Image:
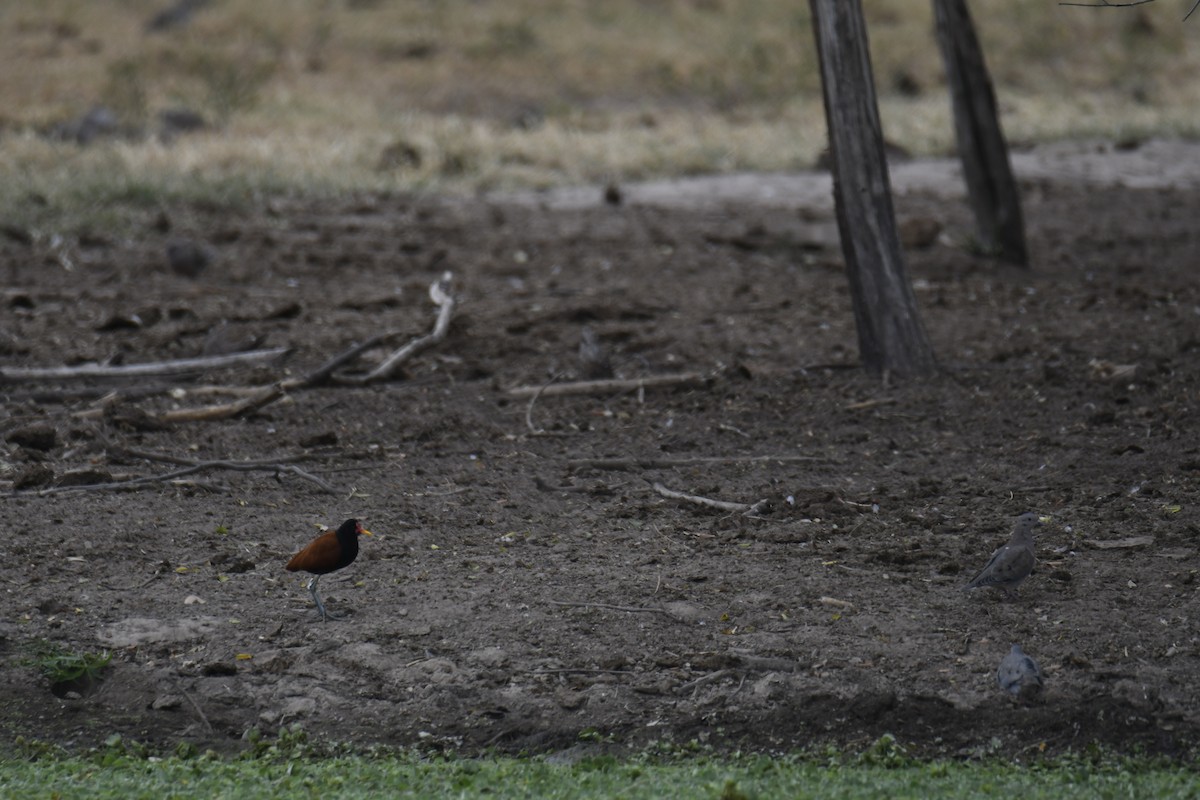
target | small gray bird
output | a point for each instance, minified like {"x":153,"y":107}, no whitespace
{"x":188,"y":257}
{"x":593,"y":359}
{"x":1011,"y":564}
{"x":1020,"y":676}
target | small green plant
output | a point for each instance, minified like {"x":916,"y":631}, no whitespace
{"x":60,"y":665}
{"x":886,"y":752}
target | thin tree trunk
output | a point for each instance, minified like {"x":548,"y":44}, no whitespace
{"x":890,"y":336}
{"x":999,"y":225}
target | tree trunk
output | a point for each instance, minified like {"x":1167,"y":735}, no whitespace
{"x":890,"y":336}
{"x":995,"y":200}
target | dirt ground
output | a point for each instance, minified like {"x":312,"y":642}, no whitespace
{"x":527,"y":589}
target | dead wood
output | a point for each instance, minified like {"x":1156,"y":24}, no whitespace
{"x":179,"y":366}
{"x":189,"y":466}
{"x":610,"y":386}
{"x":611,"y":607}
{"x":324,"y":372}
{"x":672,"y":463}
{"x":265,"y":396}
{"x":746,"y":509}
{"x":440,"y":293}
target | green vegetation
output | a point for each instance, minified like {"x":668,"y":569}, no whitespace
{"x":117,"y":773}
{"x":59,"y":665}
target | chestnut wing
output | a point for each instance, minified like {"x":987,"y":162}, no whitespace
{"x":322,"y":555}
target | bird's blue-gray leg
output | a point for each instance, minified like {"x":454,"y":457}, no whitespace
{"x":312,"y":589}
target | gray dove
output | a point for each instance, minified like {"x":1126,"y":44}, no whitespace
{"x":1019,"y":675}
{"x":592,"y":357}
{"x":1011,"y":564}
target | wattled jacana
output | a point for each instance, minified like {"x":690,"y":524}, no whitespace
{"x":330,"y":551}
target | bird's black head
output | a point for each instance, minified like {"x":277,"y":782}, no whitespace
{"x":350,"y":529}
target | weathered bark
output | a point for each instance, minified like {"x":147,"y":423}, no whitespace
{"x":999,"y":225}
{"x":890,"y":336}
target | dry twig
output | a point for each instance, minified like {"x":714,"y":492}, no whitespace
{"x":746,"y":509}
{"x":203,"y":717}
{"x":179,"y":366}
{"x":440,"y":293}
{"x":611,"y":607}
{"x":609,"y":386}
{"x":263,"y":397}
{"x":189,"y":467}
{"x":671,"y":463}
{"x":529,"y":409}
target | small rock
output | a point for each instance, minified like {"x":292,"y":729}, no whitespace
{"x":219,"y":668}
{"x":175,"y":121}
{"x":52,"y":606}
{"x":298,"y":706}
{"x":33,"y":476}
{"x":322,"y":439}
{"x":917,"y":233}
{"x":277,"y":661}
{"x":492,"y":657}
{"x":85,"y":476}
{"x":569,"y":699}
{"x":166,"y":702}
{"x":224,"y":339}
{"x":188,"y":258}
{"x":35,"y":436}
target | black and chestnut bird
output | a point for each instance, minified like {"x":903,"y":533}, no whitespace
{"x":327,"y":553}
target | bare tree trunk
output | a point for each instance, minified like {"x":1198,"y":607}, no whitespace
{"x":890,"y":336}
{"x":995,"y":200}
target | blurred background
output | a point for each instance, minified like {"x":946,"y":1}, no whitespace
{"x":115,"y":103}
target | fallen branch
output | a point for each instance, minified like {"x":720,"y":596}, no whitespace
{"x":609,"y":386}
{"x":845,"y":605}
{"x":703,"y":679}
{"x":611,"y":607}
{"x":192,"y":469}
{"x":865,"y":404}
{"x":583,"y":671}
{"x":745,"y":509}
{"x":265,"y":396}
{"x":199,"y":711}
{"x":671,"y":463}
{"x":536,"y":431}
{"x":112,"y":448}
{"x":324,"y":372}
{"x":179,"y":366}
{"x":1107,"y":4}
{"x":440,"y":294}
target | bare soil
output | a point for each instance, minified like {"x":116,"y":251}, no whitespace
{"x":526,"y":588}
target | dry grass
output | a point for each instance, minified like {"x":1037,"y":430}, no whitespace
{"x":436,"y":94}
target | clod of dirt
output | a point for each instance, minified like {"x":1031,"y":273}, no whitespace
{"x":146,"y":630}
{"x":142,"y":318}
{"x":224,"y":339}
{"x":33,"y":476}
{"x":166,"y":702}
{"x":132,"y":418}
{"x":219,"y":668}
{"x":188,"y":258}
{"x":917,"y":233}
{"x":322,"y":439}
{"x":76,"y":688}
{"x":85,"y":476}
{"x":35,"y":436}
{"x":52,"y":606}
